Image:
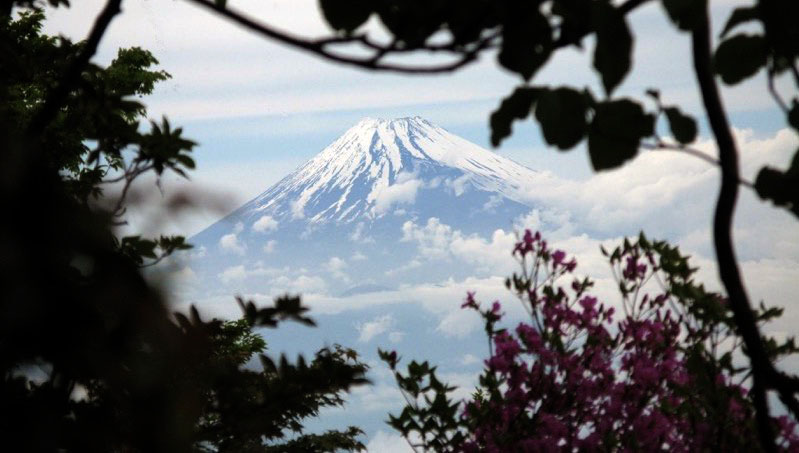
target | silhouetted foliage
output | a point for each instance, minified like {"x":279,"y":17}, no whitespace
{"x":90,"y":357}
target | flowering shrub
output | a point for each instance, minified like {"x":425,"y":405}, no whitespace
{"x":576,"y":375}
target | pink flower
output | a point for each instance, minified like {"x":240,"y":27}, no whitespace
{"x":469,"y":302}
{"x":588,"y":303}
{"x":558,"y":257}
{"x":495,"y":307}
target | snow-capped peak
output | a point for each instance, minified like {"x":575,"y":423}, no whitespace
{"x":379,"y":159}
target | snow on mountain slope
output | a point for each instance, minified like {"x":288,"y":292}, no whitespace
{"x":378,"y":161}
{"x":391,"y":192}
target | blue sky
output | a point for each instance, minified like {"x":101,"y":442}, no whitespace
{"x":258,"y":110}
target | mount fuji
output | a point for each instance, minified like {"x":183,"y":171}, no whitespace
{"x":358,"y":204}
{"x":382,"y":233}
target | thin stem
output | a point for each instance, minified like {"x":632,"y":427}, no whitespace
{"x":774,"y":94}
{"x":661,"y":146}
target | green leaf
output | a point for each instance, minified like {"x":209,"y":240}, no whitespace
{"x":683,"y":127}
{"x":562,"y":115}
{"x":346,"y":15}
{"x":685,"y":13}
{"x":526,"y":40}
{"x":614,"y":45}
{"x":740,"y":16}
{"x":616,"y":132}
{"x":515,"y":106}
{"x":740,"y":57}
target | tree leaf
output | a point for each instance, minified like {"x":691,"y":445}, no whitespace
{"x":740,"y":16}
{"x":345,"y":15}
{"x":616,"y":131}
{"x":793,"y":115}
{"x":685,"y":13}
{"x":740,"y":57}
{"x":562,"y":115}
{"x":515,"y":106}
{"x":782,"y":188}
{"x":526,"y":40}
{"x":683,"y":127}
{"x":614,"y":45}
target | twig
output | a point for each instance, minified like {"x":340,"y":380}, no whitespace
{"x":774,"y":94}
{"x":662,"y":146}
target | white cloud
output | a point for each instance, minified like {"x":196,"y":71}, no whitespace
{"x":304,"y":284}
{"x":396,"y":336}
{"x":493,"y":202}
{"x":184,"y":275}
{"x":230,"y":243}
{"x":358,"y":256}
{"x":459,"y":323}
{"x":240,"y":272}
{"x":469,"y":359}
{"x":412,"y":264}
{"x":375,"y":327}
{"x":640,"y":193}
{"x":359,"y":234}
{"x":265,"y":224}
{"x":383,"y":442}
{"x":234,"y":273}
{"x":466,"y":384}
{"x":198,"y":252}
{"x":436,"y":240}
{"x":298,"y":209}
{"x":402,"y":191}
{"x":269,"y":247}
{"x":458,"y":185}
{"x":381,"y":398}
{"x":336,"y":266}
{"x":238,"y":228}
{"x":433,"y":238}
{"x":307,"y":283}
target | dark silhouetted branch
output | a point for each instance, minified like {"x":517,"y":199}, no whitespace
{"x":318,"y":47}
{"x":762,"y":368}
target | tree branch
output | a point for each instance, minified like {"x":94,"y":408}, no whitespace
{"x":317,"y":47}
{"x":722,"y":231}
{"x":56,"y":97}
